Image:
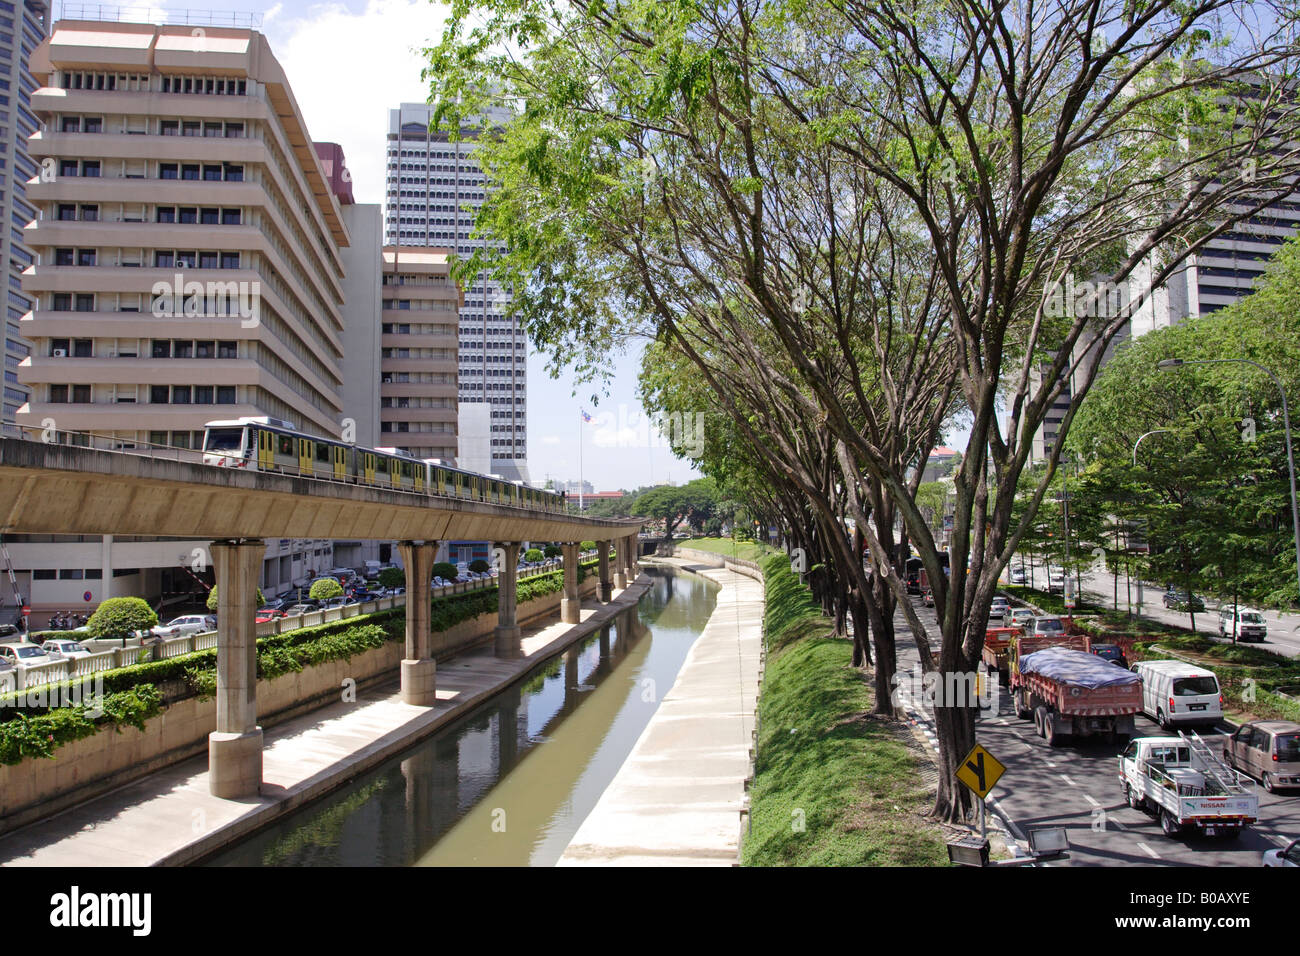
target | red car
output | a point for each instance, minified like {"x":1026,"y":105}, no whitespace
{"x":268,"y":614}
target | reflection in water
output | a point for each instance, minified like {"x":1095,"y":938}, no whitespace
{"x":509,"y":783}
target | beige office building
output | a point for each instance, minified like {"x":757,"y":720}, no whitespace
{"x":190,"y":266}
{"x":418,"y":356}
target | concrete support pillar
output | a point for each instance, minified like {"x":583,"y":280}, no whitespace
{"x":606,"y":584}
{"x":235,"y":748}
{"x":507,"y":632}
{"x":570,"y":602}
{"x":419,"y":669}
{"x":629,"y":557}
{"x":620,"y":563}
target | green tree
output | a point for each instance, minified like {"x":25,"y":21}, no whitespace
{"x":479,"y":566}
{"x":533,"y":554}
{"x":212,"y":598}
{"x":324,"y":589}
{"x":121,"y":617}
{"x":394,"y":577}
{"x":442,"y":569}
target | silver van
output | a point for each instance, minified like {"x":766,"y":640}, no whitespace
{"x":1175,"y":692}
{"x":1269,"y":751}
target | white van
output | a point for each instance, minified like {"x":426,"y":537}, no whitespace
{"x":1247,"y":624}
{"x":1174,"y":692}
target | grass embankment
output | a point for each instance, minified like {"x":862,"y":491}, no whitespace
{"x":833,"y":786}
{"x":745,"y":550}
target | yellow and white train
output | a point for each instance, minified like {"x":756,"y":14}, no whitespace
{"x":265,"y":444}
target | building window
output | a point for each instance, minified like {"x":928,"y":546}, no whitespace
{"x":225,"y":394}
{"x":93,"y":124}
{"x":230,"y":217}
{"x":90,"y":168}
{"x":169,"y":127}
{"x":230,"y":260}
{"x":234,"y":174}
{"x":81,"y":394}
{"x":85,"y":257}
{"x":190,"y":171}
{"x":158,"y":395}
{"x":168,"y":171}
{"x":90,"y":213}
{"x":85,"y":302}
{"x":59,"y":394}
{"x":63,"y":257}
{"x":212,"y":174}
{"x":166,"y":214}
{"x":227,"y":350}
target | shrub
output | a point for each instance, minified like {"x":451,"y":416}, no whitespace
{"x":121,"y":617}
{"x":587,"y":546}
{"x":445,"y":570}
{"x":41,"y":735}
{"x":552,"y":551}
{"x":395,"y":577}
{"x":533,"y":554}
{"x":324,"y":589}
{"x":212,"y":598}
{"x":479,"y":566}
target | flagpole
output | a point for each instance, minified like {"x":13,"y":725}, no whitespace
{"x":580,"y":484}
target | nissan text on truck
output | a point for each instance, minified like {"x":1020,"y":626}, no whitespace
{"x":1071,"y":694}
{"x":1180,"y":781}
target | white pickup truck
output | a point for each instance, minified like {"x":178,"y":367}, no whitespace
{"x":1182,"y":782}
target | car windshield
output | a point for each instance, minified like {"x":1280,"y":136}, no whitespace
{"x":71,"y":646}
{"x":25,"y":652}
{"x":1051,"y":624}
{"x":1250,"y":617}
{"x":1288,"y":747}
{"x":1195,"y":686}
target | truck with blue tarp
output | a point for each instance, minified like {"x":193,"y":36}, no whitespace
{"x":1070,"y":693}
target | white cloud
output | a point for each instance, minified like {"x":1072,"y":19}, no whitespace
{"x":550,"y":439}
{"x":347,"y":70}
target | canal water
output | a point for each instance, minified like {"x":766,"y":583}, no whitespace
{"x":509,"y":783}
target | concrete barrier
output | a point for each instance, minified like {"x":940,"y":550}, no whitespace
{"x":83,"y":769}
{"x":749,"y":569}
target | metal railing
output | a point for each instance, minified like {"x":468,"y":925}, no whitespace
{"x":129,"y":14}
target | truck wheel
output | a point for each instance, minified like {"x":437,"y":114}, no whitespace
{"x":1040,"y":720}
{"x":1055,"y":738}
{"x":1018,"y":699}
{"x":1169,"y":824}
{"x":1268,"y":782}
{"x":1160,"y":719}
{"x":1131,"y":798}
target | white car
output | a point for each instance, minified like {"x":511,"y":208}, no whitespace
{"x":1000,"y":609}
{"x":23,"y":654}
{"x":1288,"y":857}
{"x":185,"y":626}
{"x":61,"y":650}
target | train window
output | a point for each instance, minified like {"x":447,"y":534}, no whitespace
{"x":322,"y":451}
{"x":381,"y":465}
{"x":285,"y":445}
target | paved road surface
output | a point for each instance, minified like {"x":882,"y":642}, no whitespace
{"x":1283,"y":629}
{"x":1078,"y":787}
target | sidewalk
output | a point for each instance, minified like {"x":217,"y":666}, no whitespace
{"x":170,"y":818}
{"x":676,"y":800}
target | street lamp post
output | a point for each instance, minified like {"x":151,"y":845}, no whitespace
{"x":1154,"y":431}
{"x":1173,"y":363}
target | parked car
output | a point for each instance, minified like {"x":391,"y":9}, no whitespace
{"x":276,"y":604}
{"x":268,"y":611}
{"x":334,"y":602}
{"x":365,"y":594}
{"x":1268,"y":750}
{"x":1177,"y":599}
{"x":185,"y":626}
{"x":23,"y":654}
{"x":1110,"y":652}
{"x":307,"y":607}
{"x":927,"y":597}
{"x":1244,"y":624}
{"x":1020,"y":617}
{"x":10,"y":632}
{"x":61,"y":650}
{"x":1287,"y":857}
{"x":1175,"y":692}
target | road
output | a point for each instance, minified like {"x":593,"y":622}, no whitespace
{"x":1099,"y":588}
{"x":1078,"y":787}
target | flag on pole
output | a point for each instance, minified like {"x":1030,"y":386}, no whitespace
{"x":585,"y":417}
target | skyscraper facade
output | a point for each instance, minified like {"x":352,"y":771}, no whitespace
{"x":23,"y":26}
{"x":434,"y":189}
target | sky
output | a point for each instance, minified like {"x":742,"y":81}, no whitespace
{"x":348,"y":64}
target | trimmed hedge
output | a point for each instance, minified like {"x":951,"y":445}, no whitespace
{"x":132,"y":695}
{"x":41,"y":735}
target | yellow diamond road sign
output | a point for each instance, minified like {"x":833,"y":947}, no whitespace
{"x":980,"y":771}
